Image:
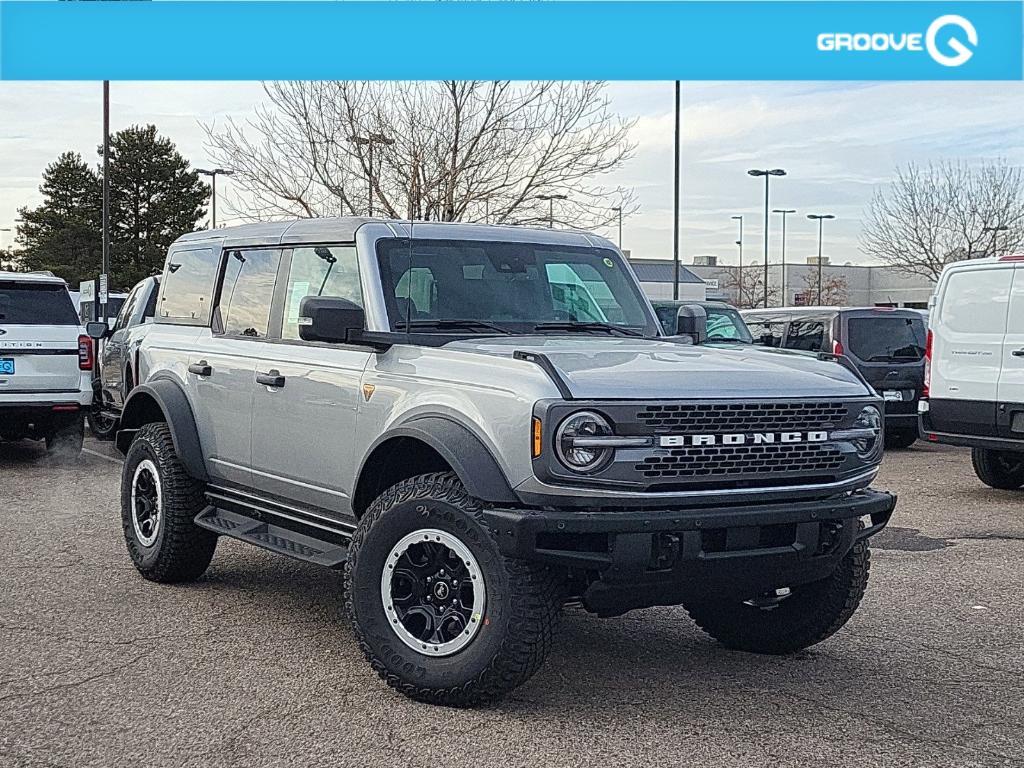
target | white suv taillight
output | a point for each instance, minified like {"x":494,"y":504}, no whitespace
{"x":85,"y":357}
{"x":927,"y":365}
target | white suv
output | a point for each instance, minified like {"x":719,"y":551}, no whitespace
{"x":45,"y":363}
{"x":974,"y":381}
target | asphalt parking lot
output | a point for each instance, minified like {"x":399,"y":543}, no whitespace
{"x":255,"y":664}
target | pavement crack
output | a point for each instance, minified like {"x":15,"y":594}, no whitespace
{"x":76,"y":683}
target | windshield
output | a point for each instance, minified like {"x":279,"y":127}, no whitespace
{"x":478,"y":286}
{"x":724,"y":323}
{"x":886,"y":339}
{"x":29,"y":303}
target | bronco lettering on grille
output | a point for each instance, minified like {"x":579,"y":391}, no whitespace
{"x":755,"y":438}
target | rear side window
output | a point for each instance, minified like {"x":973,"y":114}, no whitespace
{"x":28,"y":303}
{"x":886,"y":339}
{"x":187,"y":289}
{"x":247,"y":292}
{"x":807,"y":335}
{"x":976,"y":301}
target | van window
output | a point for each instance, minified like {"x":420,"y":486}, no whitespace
{"x":248,"y":290}
{"x":320,"y":271}
{"x":886,"y":339}
{"x":31,"y":303}
{"x":808,"y":335}
{"x":187,"y":288}
{"x":975,"y":301}
{"x":766,"y":332}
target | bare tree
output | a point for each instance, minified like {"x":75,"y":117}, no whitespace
{"x":493,"y":152}
{"x":944,"y":212}
{"x":835,"y":291}
{"x":748,"y":287}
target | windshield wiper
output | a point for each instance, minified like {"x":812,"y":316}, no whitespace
{"x":565,"y":325}
{"x":454,"y":325}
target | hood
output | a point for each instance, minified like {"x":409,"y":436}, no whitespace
{"x":621,"y":368}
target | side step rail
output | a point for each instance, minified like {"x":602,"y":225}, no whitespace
{"x":272,"y":537}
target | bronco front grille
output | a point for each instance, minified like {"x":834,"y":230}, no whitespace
{"x":724,"y":460}
{"x":740,"y":417}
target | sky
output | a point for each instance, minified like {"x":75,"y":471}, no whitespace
{"x":838,"y":142}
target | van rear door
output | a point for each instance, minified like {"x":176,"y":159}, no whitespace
{"x":888,"y":348}
{"x":39,"y":332}
{"x":1011,"y":377}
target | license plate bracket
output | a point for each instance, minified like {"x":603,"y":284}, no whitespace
{"x":893,"y":395}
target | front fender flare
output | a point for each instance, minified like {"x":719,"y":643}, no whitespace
{"x":173,"y":404}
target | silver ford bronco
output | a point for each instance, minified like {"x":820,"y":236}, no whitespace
{"x":481,"y":425}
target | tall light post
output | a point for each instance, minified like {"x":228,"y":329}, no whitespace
{"x":995,"y":233}
{"x":676,"y":201}
{"x":785,"y":212}
{"x":551,"y":207}
{"x":618,"y":210}
{"x":767,"y":173}
{"x":819,"y":217}
{"x":213,"y":174}
{"x":739,"y":242}
{"x":368,"y":141}
{"x":105,"y":221}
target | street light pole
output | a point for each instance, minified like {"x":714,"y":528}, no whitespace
{"x":784,"y":212}
{"x":767,"y":173}
{"x":618,"y":210}
{"x":820,"y":218}
{"x":740,"y":244}
{"x":551,"y":207}
{"x":995,"y":233}
{"x":676,"y":201}
{"x":368,"y":141}
{"x":213,"y":174}
{"x":105,"y":252}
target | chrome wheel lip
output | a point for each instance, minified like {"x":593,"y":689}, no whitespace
{"x":455,"y":645}
{"x":152,"y":521}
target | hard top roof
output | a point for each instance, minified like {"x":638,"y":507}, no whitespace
{"x":32,"y":277}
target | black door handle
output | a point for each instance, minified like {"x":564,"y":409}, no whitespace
{"x":1018,"y":353}
{"x":202,"y":368}
{"x":271,"y":378}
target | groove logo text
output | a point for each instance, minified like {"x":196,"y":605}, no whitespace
{"x":956,"y":50}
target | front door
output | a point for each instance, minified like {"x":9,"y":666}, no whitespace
{"x":308,"y":395}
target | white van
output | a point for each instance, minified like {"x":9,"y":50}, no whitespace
{"x":46,"y":363}
{"x":974,"y":376}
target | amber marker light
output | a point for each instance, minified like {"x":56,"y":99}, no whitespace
{"x":537,"y":442}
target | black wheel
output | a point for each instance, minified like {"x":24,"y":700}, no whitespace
{"x":999,"y":469}
{"x":65,"y":444}
{"x":786,"y":621}
{"x":439,"y":612}
{"x":159,"y":502}
{"x":103,"y":427}
{"x":900,"y":438}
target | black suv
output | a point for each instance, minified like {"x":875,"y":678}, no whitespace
{"x":885,"y":344}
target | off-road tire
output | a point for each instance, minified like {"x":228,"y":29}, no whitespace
{"x":65,"y":444}
{"x":522,"y":610}
{"x":182,"y":550}
{"x":810,"y":614}
{"x":999,"y":469}
{"x":102,"y":427}
{"x":900,"y":439}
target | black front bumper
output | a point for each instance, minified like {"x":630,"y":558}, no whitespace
{"x":656,"y":557}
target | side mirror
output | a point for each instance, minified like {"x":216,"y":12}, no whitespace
{"x":97,"y":330}
{"x":692,"y":321}
{"x":330,"y":319}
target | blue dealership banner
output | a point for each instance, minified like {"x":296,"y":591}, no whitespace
{"x":521,"y":40}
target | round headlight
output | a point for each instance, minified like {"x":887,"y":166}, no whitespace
{"x":570,"y":441}
{"x":870,"y":418}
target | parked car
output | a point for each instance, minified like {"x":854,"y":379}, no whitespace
{"x":118,"y":357}
{"x":45,"y":363}
{"x":416,"y":405}
{"x":975,"y":366}
{"x":725,"y":325}
{"x":885,"y":344}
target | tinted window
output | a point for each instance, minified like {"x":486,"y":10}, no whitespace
{"x":667,"y":317}
{"x":127,"y":309}
{"x":807,"y":335}
{"x":766,"y":332}
{"x":976,"y":301}
{"x":321,"y":271}
{"x":512,"y":285}
{"x":188,"y":287}
{"x":150,"y":310}
{"x":247,"y":291}
{"x":886,"y":339}
{"x":27,"y":303}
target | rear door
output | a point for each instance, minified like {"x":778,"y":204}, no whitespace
{"x":888,"y":348}
{"x":1011,"y":376}
{"x":39,"y":333}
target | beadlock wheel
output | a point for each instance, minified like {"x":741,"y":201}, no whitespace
{"x":147,"y":502}
{"x":433,"y":592}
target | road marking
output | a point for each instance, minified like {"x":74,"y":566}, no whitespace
{"x":102,"y":456}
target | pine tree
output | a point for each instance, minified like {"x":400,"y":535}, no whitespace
{"x":154,"y":198}
{"x":64,"y":234}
